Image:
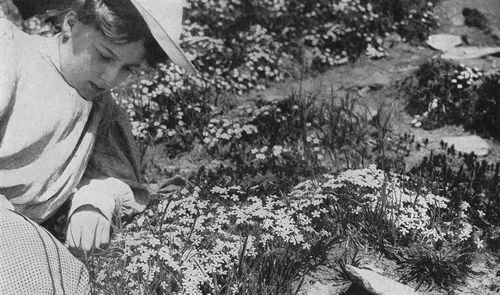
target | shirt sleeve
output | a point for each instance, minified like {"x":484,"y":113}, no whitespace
{"x":8,"y":72}
{"x":112,"y":181}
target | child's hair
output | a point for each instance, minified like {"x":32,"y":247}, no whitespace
{"x":120,"y":21}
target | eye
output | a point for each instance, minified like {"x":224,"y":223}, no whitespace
{"x":131,"y":69}
{"x":104,"y":57}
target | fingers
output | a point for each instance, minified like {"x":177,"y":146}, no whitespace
{"x":88,"y":230}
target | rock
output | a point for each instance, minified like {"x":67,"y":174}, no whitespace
{"x":377,"y":80}
{"x":363,"y":91}
{"x":444,"y":42}
{"x":377,"y":284}
{"x":468,"y":144}
{"x":356,"y":289}
{"x":457,"y":20}
{"x":319,"y":289}
{"x":469,"y":52}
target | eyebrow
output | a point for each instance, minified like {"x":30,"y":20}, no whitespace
{"x":116,"y":57}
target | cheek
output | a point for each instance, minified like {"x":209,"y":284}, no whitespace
{"x":122,"y":76}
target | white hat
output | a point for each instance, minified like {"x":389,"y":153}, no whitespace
{"x":164,"y":19}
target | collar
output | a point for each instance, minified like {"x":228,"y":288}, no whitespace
{"x":50,"y":51}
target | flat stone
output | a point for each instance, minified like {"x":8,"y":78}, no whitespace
{"x":444,"y":42}
{"x":469,"y":52}
{"x":377,"y":81}
{"x":319,"y":289}
{"x":377,"y":284}
{"x":356,"y":289}
{"x":468,"y":144}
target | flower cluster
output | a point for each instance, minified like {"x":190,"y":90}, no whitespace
{"x":418,"y":22}
{"x":466,"y":76}
{"x":446,"y":94}
{"x":244,"y":44}
{"x":417,"y":216}
{"x":195,"y":239}
{"x":265,"y":152}
{"x":224,"y":131}
{"x":165,"y":106}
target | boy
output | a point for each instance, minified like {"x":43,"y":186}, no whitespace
{"x":61,"y":134}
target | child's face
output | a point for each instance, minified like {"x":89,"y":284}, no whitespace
{"x":92,"y":64}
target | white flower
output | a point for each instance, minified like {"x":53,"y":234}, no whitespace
{"x":260,"y":156}
{"x":464,"y":206}
{"x":434,"y":104}
{"x":277,"y":149}
{"x":479,"y":243}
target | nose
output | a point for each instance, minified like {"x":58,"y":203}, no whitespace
{"x":109,"y":76}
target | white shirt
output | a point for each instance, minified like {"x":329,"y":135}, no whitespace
{"x":48,"y":133}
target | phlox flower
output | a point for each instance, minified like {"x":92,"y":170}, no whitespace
{"x":479,"y":243}
{"x":260,"y":156}
{"x":277,"y":149}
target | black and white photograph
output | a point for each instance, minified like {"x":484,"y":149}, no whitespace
{"x":249,"y":147}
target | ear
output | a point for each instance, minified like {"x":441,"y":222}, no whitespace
{"x":68,"y":24}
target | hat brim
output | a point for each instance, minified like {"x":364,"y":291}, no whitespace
{"x":171,"y":48}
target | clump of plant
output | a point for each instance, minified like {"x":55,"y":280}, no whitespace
{"x":469,"y":183}
{"x":419,"y":19}
{"x":217,"y":240}
{"x":445,"y":268}
{"x":402,"y":218}
{"x":485,"y":119}
{"x":165,"y":107}
{"x":291,"y":139}
{"x":474,"y":18}
{"x":441,"y":92}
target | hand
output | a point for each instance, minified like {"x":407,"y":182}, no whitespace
{"x":87,"y":229}
{"x":4,"y":203}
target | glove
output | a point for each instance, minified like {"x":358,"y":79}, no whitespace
{"x":88,"y":228}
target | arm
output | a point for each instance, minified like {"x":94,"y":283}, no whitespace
{"x":115,"y":160}
{"x":112,"y":183}
{"x":8,"y":75}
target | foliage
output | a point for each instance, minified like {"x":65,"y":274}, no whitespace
{"x":286,"y":141}
{"x":442,"y":93}
{"x":468,"y":183}
{"x":217,"y":240}
{"x":487,"y":107}
{"x":165,"y":106}
{"x":474,"y":18}
{"x":444,"y":268}
{"x":333,"y":32}
{"x":439,"y":93}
